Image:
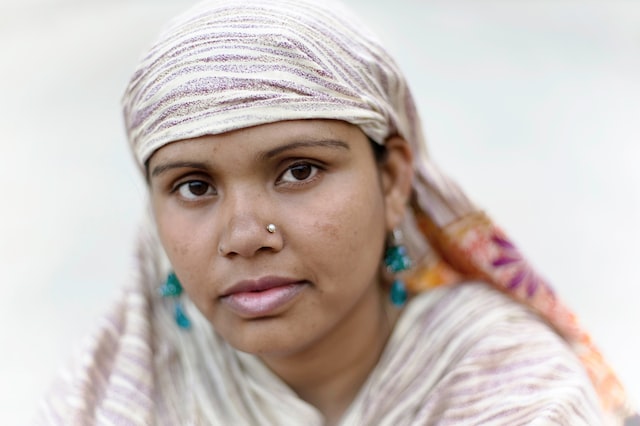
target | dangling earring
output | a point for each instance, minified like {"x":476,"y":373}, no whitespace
{"x":173,"y":288}
{"x":397,"y":260}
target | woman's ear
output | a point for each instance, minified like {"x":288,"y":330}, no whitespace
{"x":397,"y":177}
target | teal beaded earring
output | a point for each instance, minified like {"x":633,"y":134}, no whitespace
{"x":173,"y":288}
{"x":397,"y":260}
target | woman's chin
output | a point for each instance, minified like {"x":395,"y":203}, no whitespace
{"x":267,"y":337}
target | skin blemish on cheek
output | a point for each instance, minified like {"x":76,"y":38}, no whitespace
{"x":182,"y":250}
{"x":328,"y":228}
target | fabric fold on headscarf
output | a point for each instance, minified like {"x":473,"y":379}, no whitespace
{"x":231,"y":64}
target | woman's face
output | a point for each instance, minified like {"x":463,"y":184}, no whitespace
{"x":317,"y":181}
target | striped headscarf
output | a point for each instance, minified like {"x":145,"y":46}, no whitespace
{"x":231,"y":64}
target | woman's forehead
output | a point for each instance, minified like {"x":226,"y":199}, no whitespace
{"x":266,"y":140}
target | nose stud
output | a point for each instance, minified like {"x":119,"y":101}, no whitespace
{"x":271,"y":228}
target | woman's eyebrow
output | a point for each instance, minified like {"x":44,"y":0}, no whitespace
{"x":330,"y":143}
{"x":161,"y":168}
{"x":333,"y":143}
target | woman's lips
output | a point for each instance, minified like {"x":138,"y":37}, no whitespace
{"x":254,"y":299}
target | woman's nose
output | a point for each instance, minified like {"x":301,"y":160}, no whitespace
{"x":249,"y":227}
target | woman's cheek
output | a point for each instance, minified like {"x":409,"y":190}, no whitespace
{"x":347,"y":222}
{"x":181,"y":240}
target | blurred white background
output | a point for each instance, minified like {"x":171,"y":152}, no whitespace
{"x":533,"y":106}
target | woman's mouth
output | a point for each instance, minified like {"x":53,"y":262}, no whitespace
{"x":263,"y":297}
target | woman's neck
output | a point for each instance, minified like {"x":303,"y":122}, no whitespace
{"x":329,"y":374}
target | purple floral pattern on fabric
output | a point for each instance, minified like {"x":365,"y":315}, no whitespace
{"x":523,"y":274}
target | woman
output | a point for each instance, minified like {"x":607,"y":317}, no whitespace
{"x":294,"y":268}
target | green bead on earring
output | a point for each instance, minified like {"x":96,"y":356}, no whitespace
{"x":396,"y":259}
{"x":173,"y":288}
{"x":398,"y":293}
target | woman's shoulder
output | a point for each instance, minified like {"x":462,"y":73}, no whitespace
{"x":507,"y":365}
{"x":113,"y":363}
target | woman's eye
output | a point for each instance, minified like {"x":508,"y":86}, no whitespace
{"x":299,"y":172}
{"x":195,"y":189}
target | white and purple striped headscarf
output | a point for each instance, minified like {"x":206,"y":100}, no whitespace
{"x":227,"y":65}
{"x":231,"y":64}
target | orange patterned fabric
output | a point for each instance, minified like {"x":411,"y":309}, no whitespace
{"x":474,"y":247}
